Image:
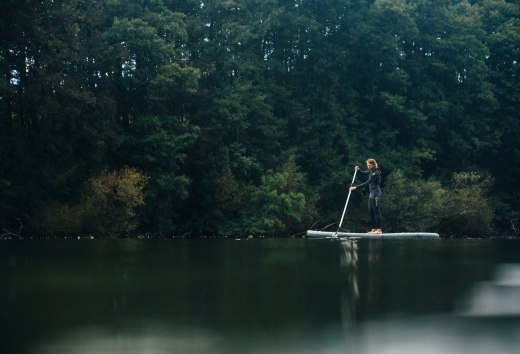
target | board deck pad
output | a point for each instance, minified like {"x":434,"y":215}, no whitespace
{"x":352,"y":235}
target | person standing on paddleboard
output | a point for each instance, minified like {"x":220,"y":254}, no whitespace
{"x":374,"y":200}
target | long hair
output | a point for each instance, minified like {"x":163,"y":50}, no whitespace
{"x":372,"y":162}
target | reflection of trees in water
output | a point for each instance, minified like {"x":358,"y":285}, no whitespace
{"x":374,"y":257}
{"x":350,"y":290}
{"x":497,"y":297}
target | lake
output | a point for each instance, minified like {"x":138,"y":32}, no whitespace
{"x":260,"y":296}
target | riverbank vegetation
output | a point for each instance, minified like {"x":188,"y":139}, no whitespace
{"x":238,"y":117}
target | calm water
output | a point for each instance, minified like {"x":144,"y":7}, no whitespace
{"x":260,"y":296}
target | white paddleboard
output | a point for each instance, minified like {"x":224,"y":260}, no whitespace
{"x":393,"y":235}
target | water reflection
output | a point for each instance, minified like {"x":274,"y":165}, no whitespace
{"x":438,"y":334}
{"x":350,"y":290}
{"x":486,"y":322}
{"x":153,"y":338}
{"x":432,"y":334}
{"x":499,"y":297}
{"x":351,"y":293}
{"x":360,"y":282}
{"x":268,"y":296}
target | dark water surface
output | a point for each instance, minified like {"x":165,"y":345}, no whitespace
{"x":260,"y":296}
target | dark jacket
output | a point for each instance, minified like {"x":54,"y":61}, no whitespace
{"x":373,"y":181}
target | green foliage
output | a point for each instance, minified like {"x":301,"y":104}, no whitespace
{"x":412,"y":205}
{"x":209,"y":99}
{"x":277,"y":206}
{"x":158,"y":145}
{"x":462,"y":209}
{"x":469,"y":211}
{"x":108,"y":206}
{"x":111,"y":201}
{"x":274,"y":204}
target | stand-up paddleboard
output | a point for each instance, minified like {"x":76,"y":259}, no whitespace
{"x":352,"y":235}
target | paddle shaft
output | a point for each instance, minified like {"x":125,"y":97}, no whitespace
{"x":345,"y":208}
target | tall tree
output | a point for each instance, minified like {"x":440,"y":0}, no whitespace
{"x":501,"y":22}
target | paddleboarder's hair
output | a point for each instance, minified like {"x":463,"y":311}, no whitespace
{"x":372,"y":162}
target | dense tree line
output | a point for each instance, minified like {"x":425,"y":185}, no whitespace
{"x":237,"y":117}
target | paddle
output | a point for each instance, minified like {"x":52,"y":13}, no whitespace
{"x":345,"y":209}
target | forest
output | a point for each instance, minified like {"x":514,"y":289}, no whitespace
{"x":246,"y":117}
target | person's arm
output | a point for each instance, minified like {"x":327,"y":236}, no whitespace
{"x":367,"y":181}
{"x":364,"y":183}
{"x":364,"y":172}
